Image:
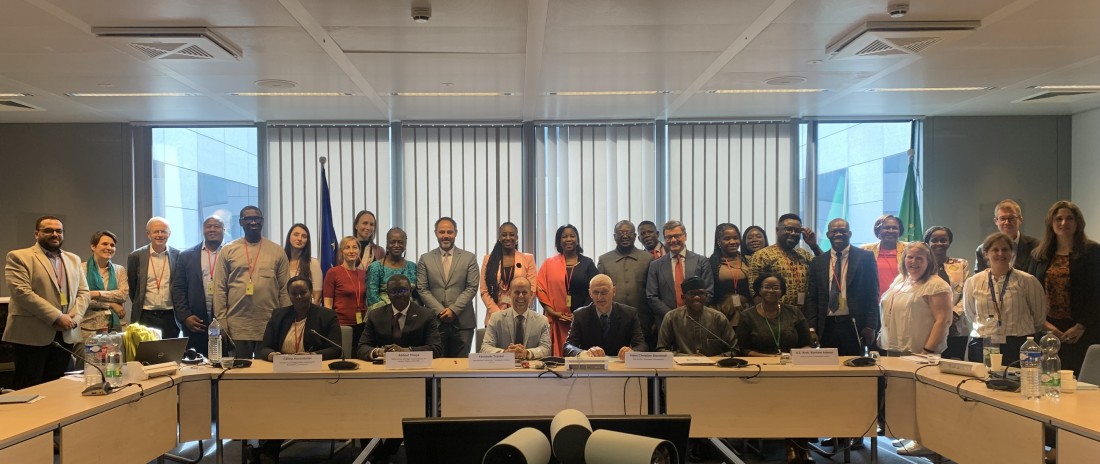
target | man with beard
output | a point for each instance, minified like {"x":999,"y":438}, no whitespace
{"x":249,"y":283}
{"x":49,"y":295}
{"x":447,"y":279}
{"x":193,"y":287}
{"x":786,"y":259}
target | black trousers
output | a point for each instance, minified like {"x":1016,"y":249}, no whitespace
{"x":840,"y":333}
{"x":40,"y":364}
{"x":164,"y":320}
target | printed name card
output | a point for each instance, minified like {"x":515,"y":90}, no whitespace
{"x":297,"y":362}
{"x":815,"y":357}
{"x":492,"y":360}
{"x":655,"y":360}
{"x":409,"y":360}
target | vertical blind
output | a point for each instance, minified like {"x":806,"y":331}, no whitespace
{"x":593,"y":176}
{"x":728,"y":172}
{"x":358,"y":169}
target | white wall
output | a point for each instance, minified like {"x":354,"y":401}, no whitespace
{"x":1086,"y":168}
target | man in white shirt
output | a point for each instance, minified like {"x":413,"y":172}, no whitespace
{"x":516,"y":329}
{"x":149,"y":273}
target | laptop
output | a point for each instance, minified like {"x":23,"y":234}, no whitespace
{"x":160,"y":351}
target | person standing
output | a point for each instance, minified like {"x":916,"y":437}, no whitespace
{"x":666,"y":275}
{"x":628,"y":267}
{"x":365,"y":226}
{"x":346,"y":288}
{"x":563,"y":284}
{"x":447,"y":279}
{"x":298,"y":248}
{"x":651,"y":239}
{"x":49,"y":296}
{"x":501,"y":266}
{"x":843,"y":294}
{"x":888,"y":249}
{"x":249,"y":283}
{"x":787,"y":259}
{"x":731,"y":273}
{"x":1008,"y":217}
{"x":149,"y":274}
{"x":107,"y":288}
{"x":193,"y":287}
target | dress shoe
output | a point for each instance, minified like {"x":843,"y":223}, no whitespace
{"x":696,"y":451}
{"x":913,"y":448}
{"x":793,"y":456}
{"x":804,"y":454}
{"x":857,"y":444}
{"x":898,"y":443}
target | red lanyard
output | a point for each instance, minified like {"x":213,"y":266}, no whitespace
{"x":843,"y":267}
{"x":248,"y":257}
{"x":212,"y":258}
{"x":157,"y":276}
{"x":358,"y":288}
{"x":733,"y":275}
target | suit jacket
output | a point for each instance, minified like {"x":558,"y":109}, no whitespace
{"x":1023,"y":255}
{"x":524,"y":267}
{"x":36,"y":296}
{"x":188,"y":289}
{"x":421,"y":331}
{"x":137,"y":273}
{"x":500,"y":332}
{"x":317,"y":318}
{"x":861,"y":290}
{"x":1084,"y":273}
{"x":457,"y":292}
{"x":585,"y":332}
{"x":660,"y":288}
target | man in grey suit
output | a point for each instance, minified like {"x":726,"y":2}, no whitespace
{"x":446,"y":280}
{"x":149,"y":273}
{"x":533,"y":341}
{"x":49,"y":295}
{"x":667,"y":274}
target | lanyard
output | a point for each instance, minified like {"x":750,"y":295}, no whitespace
{"x":248,"y":258}
{"x":358,"y":288}
{"x":843,"y":270}
{"x":158,"y":276}
{"x":569,"y":275}
{"x":778,"y":327}
{"x":212,"y":259}
{"x":993,"y":295}
{"x":733,"y":272}
{"x":507,"y":273}
{"x":59,"y":272}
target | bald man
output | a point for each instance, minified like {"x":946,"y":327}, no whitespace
{"x":149,"y":273}
{"x":604,"y":327}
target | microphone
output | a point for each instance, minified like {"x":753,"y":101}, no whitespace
{"x":343,"y":364}
{"x":99,"y":389}
{"x":724,"y":362}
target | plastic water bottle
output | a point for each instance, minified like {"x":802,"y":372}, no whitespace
{"x":214,"y":342}
{"x":1030,"y":360}
{"x":113,"y":369}
{"x":91,"y":360}
{"x":1051,"y":364}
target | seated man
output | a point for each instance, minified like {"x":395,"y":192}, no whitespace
{"x":516,"y":329}
{"x":604,"y":326}
{"x":399,"y":326}
{"x":694,"y":329}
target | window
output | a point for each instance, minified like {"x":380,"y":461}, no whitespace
{"x":200,"y":171}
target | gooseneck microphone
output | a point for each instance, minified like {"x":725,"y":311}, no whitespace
{"x":99,"y":389}
{"x":724,"y":362}
{"x":343,"y":364}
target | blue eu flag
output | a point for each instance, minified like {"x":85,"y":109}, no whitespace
{"x":328,"y":233}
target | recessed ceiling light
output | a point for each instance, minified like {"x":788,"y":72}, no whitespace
{"x":738,"y":91}
{"x":609,"y":93}
{"x":290,"y":94}
{"x":1066,"y":87}
{"x":785,"y":80}
{"x":451,"y":94}
{"x":929,"y":89}
{"x":280,"y":84}
{"x":15,"y":95}
{"x":814,"y":62}
{"x":144,"y":94}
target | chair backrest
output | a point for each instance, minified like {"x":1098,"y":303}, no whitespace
{"x":479,"y":335}
{"x":345,"y":341}
{"x":1090,"y":369}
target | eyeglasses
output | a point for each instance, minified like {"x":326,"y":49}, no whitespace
{"x":790,"y":230}
{"x":837,"y":232}
{"x":252,"y":219}
{"x":399,"y":291}
{"x":1004,"y":219}
{"x":52,"y":231}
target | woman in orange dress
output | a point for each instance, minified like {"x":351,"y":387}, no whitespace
{"x":563,"y":284}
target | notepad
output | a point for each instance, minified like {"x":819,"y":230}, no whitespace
{"x":16,"y":399}
{"x":1080,"y":386}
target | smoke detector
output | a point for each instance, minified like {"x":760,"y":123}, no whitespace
{"x":170,"y":43}
{"x":898,"y":38}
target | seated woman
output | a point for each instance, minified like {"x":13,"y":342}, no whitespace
{"x":770,"y":328}
{"x":290,"y":331}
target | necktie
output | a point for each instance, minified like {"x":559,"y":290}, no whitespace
{"x":518,"y":332}
{"x":678,"y":276}
{"x":605,"y":324}
{"x":395,"y":331}
{"x":446,"y":266}
{"x":834,"y":284}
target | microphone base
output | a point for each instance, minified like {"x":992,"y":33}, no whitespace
{"x":732,"y":362}
{"x":99,"y":389}
{"x":343,"y":366}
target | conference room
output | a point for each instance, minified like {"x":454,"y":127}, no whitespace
{"x":540,"y":113}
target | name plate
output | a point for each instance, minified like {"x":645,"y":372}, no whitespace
{"x":409,"y":360}
{"x":815,"y":357}
{"x":297,"y":362}
{"x":492,"y":360}
{"x":655,"y":360}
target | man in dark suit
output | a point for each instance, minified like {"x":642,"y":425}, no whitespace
{"x":667,"y":274}
{"x":193,"y":287}
{"x":417,"y":329}
{"x":842,"y":299}
{"x":446,"y":280}
{"x":149,"y":273}
{"x":1008,"y":217}
{"x":604,"y":327}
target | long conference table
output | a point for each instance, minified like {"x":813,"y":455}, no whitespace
{"x":966,"y":423}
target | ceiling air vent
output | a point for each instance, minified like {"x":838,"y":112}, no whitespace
{"x":898,"y":38}
{"x":170,"y":43}
{"x":16,"y":105}
{"x":1057,"y":96}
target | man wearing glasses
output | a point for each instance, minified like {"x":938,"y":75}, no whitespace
{"x":1008,"y":218}
{"x":249,"y":283}
{"x":785,"y":258}
{"x":49,"y":295}
{"x":667,"y":274}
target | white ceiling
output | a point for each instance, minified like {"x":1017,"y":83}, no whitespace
{"x":371,"y":48}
